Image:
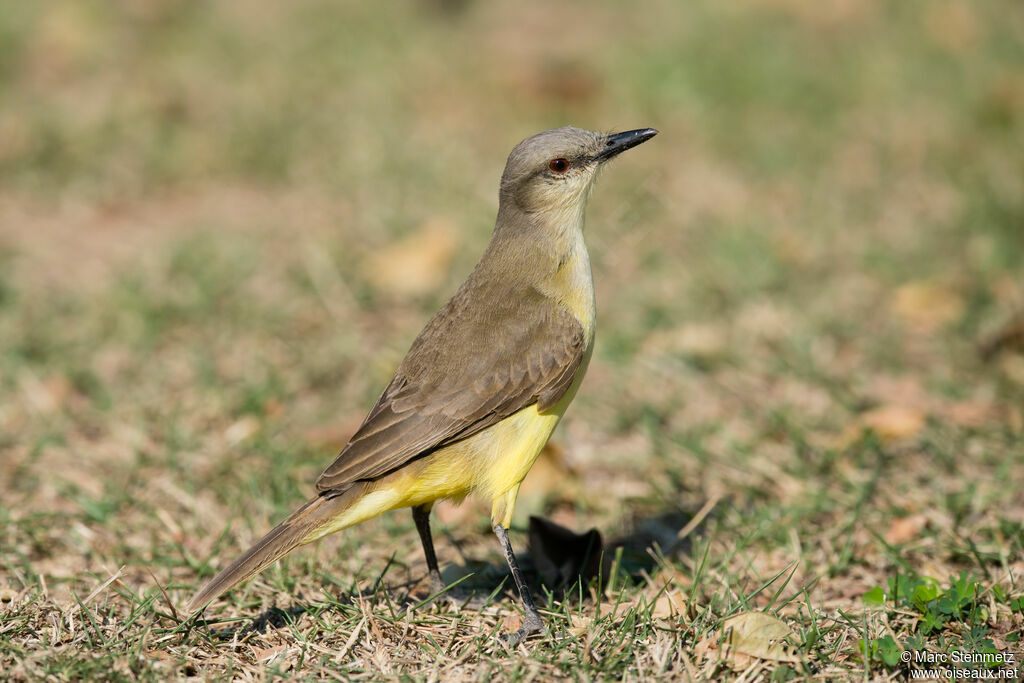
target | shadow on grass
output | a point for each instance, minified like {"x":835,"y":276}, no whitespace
{"x":560,"y":563}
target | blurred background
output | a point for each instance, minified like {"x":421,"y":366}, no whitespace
{"x":222,"y":224}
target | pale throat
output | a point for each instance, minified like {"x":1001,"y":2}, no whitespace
{"x":572,"y":283}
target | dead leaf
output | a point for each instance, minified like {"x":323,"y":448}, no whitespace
{"x":669,"y":605}
{"x":241,"y":430}
{"x":266,"y":654}
{"x":45,"y":396}
{"x":927,"y":305}
{"x":760,"y":635}
{"x":888,"y":422}
{"x":904,"y":529}
{"x":580,"y":626}
{"x":706,"y":646}
{"x":415,"y":265}
{"x":894,"y":422}
{"x":273,"y":408}
{"x":158,"y":655}
{"x":709,"y":648}
{"x":511,"y":623}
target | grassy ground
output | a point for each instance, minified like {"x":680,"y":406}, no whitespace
{"x":796,"y":283}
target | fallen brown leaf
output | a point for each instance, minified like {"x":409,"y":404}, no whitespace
{"x":904,"y":529}
{"x":511,"y":623}
{"x":927,"y":305}
{"x":760,"y":635}
{"x":264,"y":654}
{"x":669,"y":605}
{"x":580,"y":626}
{"x":45,"y":396}
{"x":241,"y":430}
{"x":415,"y":265}
{"x":888,"y":422}
{"x":893,"y":422}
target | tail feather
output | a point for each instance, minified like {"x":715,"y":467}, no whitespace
{"x":281,"y":540}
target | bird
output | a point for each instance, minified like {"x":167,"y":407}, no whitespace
{"x":486,"y":381}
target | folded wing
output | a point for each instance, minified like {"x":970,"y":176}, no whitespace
{"x":468,"y":370}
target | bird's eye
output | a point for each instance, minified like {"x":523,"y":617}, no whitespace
{"x":559,"y":165}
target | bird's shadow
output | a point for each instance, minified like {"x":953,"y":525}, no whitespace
{"x":559,"y":561}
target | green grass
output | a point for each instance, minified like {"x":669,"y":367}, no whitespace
{"x":794,"y":280}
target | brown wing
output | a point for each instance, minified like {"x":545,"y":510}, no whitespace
{"x":470,"y":367}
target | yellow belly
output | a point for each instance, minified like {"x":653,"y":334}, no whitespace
{"x":490,"y":464}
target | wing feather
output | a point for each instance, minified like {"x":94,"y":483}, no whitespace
{"x":517,"y":358}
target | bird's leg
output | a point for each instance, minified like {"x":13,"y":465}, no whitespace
{"x":533,"y":623}
{"x":421,"y":515}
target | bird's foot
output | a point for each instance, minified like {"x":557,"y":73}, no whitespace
{"x":437,"y":584}
{"x":532,"y":624}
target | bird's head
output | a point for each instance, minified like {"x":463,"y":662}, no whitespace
{"x":554,"y":171}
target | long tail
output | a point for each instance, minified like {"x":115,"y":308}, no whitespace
{"x":299,"y":528}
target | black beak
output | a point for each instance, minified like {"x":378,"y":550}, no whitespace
{"x":616,"y":143}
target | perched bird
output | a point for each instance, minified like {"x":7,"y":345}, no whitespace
{"x":485,"y":382}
